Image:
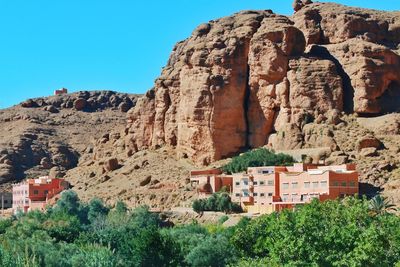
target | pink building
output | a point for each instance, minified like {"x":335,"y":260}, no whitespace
{"x":210,"y":181}
{"x":273,"y":188}
{"x":61,"y":91}
{"x":35,"y":194}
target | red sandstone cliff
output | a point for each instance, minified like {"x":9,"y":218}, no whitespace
{"x":256,"y":78}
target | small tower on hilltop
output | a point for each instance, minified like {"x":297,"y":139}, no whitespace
{"x":61,"y":91}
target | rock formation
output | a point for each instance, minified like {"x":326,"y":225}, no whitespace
{"x":256,"y":78}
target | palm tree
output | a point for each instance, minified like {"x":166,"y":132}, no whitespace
{"x":379,"y":205}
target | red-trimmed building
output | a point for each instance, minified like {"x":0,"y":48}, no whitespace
{"x":61,"y":91}
{"x":273,"y":188}
{"x":35,"y":194}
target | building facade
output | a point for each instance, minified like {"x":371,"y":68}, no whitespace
{"x":61,"y":91}
{"x":273,"y":188}
{"x":35,"y":194}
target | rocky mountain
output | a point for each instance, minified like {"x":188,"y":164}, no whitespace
{"x":49,"y":134}
{"x":256,"y":78}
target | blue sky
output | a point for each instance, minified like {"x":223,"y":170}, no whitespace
{"x":119,"y":45}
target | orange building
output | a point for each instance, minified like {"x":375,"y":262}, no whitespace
{"x":35,"y":194}
{"x":273,"y":188}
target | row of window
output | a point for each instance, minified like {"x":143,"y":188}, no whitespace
{"x":246,"y":194}
{"x":36,"y":192}
{"x":322,"y":184}
{"x":20,"y":192}
{"x":296,"y":197}
{"x":265,"y":171}
{"x":26,"y":201}
{"x":295,"y":185}
{"x":269,"y":182}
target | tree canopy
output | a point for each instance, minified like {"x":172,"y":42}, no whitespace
{"x":257,"y":158}
{"x":344,"y":232}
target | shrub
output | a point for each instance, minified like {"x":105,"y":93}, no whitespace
{"x":220,"y":201}
{"x":257,"y":158}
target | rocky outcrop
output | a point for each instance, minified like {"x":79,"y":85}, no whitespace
{"x":88,"y":101}
{"x":257,"y":78}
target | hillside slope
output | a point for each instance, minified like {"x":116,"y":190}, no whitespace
{"x":49,"y":134}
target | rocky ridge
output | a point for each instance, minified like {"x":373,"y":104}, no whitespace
{"x":241,"y":81}
{"x":48,"y":135}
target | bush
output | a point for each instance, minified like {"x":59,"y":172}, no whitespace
{"x":257,"y":158}
{"x":220,"y":201}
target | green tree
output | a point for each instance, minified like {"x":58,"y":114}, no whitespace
{"x":150,"y":248}
{"x":142,"y":218}
{"x":121,"y":207}
{"x":198,"y":206}
{"x":96,"y":210}
{"x":256,"y":158}
{"x":214,"y":251}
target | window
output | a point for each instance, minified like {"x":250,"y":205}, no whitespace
{"x":46,"y":192}
{"x":237,"y":183}
{"x":262,"y":195}
{"x":343,"y":183}
{"x":335,"y":183}
{"x":6,"y":201}
{"x":245,"y":182}
{"x":35,"y":192}
{"x":237,"y":194}
{"x":352,"y":184}
{"x":314,"y":184}
{"x":270,"y":194}
{"x":324,"y":183}
{"x":255,"y":183}
{"x":306,"y":184}
{"x":255,"y":194}
{"x":294,"y":185}
{"x":245,"y":194}
{"x":262,"y":182}
{"x":270,"y":182}
{"x":285,"y":185}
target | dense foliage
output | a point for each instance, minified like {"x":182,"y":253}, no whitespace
{"x":350,"y":232}
{"x":220,"y":201}
{"x":257,"y":158}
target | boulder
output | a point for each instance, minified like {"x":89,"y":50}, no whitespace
{"x":80,"y":103}
{"x":145,"y":181}
{"x":51,"y":109}
{"x":29,"y":104}
{"x":111,"y":164}
{"x":369,"y":142}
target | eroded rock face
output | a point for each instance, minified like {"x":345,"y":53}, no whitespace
{"x":250,"y":80}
